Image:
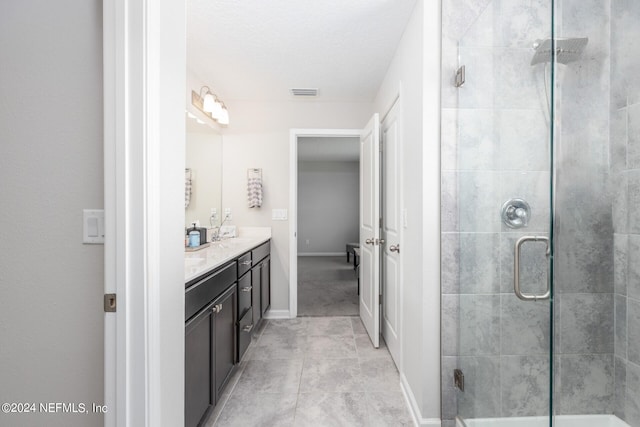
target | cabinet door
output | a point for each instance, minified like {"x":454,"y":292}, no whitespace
{"x":256,"y":292}
{"x":224,"y":338}
{"x":198,"y":355}
{"x":266,"y":285}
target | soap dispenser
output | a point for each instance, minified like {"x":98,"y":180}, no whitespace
{"x":194,"y":236}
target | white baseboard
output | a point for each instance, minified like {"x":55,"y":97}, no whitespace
{"x":414,"y":408}
{"x":277,"y":314}
{"x":322,"y":254}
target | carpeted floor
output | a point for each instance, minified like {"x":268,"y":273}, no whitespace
{"x":327,"y":286}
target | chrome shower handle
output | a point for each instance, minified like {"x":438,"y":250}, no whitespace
{"x":516,"y":270}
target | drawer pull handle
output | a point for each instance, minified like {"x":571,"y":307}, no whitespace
{"x":247,"y":328}
{"x":246,"y":263}
{"x":246,"y":289}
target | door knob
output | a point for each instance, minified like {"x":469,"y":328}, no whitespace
{"x":395,"y":248}
{"x":369,"y":241}
{"x":380,"y":241}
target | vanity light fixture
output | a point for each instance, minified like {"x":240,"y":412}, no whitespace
{"x":224,"y":115}
{"x":209,"y":103}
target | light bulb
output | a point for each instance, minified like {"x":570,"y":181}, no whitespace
{"x":216,"y":110}
{"x":224,"y":117}
{"x":209,"y":103}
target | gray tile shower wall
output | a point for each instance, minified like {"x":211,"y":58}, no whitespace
{"x":625,"y":171}
{"x":495,"y":146}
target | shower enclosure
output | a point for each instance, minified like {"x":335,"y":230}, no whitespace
{"x":541,"y":213}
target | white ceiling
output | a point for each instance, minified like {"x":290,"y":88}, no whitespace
{"x":259,"y":49}
{"x":328,"y":149}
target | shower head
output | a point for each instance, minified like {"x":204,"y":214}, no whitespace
{"x":567,"y":50}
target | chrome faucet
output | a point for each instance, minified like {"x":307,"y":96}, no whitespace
{"x":215,"y":234}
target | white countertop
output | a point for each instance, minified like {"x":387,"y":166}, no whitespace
{"x":218,"y":253}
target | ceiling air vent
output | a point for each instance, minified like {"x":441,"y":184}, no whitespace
{"x":304,"y":92}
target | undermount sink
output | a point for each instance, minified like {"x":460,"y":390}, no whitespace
{"x":227,"y":243}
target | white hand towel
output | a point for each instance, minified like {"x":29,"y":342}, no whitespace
{"x":254,"y":192}
{"x":187,"y":188}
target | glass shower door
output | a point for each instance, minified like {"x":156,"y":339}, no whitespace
{"x":497,"y":192}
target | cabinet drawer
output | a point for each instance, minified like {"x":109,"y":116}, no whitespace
{"x":244,"y":294}
{"x":244,"y":264}
{"x":245,"y":331}
{"x":204,"y":291}
{"x":259,"y":253}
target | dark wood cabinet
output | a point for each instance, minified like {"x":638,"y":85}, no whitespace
{"x":265,"y":285}
{"x":224,"y":339}
{"x":245,"y":330}
{"x":261,"y":281}
{"x":244,"y":295}
{"x":210,"y":343}
{"x":222,"y":309}
{"x":256,"y":284}
{"x":198,"y":393}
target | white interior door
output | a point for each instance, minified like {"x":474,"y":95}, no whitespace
{"x":370,"y":229}
{"x":391,"y":228}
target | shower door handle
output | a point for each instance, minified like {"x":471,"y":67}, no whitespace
{"x":516,"y":270}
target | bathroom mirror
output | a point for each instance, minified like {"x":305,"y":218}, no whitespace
{"x":204,"y":162}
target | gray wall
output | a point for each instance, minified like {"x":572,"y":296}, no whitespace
{"x":328,"y":206}
{"x":51,"y":167}
{"x":625,"y":171}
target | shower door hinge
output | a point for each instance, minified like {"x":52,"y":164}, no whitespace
{"x":458,"y":379}
{"x":460,"y":76}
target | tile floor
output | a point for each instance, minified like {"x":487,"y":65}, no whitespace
{"x":327,"y":286}
{"x":313,"y":371}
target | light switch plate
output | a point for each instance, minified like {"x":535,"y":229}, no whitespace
{"x":279,"y":214}
{"x":93,"y":226}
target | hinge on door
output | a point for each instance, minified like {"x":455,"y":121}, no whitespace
{"x":458,"y":379}
{"x":460,"y":77}
{"x":109,"y":303}
{"x":380,"y":222}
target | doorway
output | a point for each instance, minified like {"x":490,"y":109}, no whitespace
{"x":328,"y":205}
{"x":320,"y":207}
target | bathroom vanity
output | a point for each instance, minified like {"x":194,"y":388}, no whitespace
{"x":227,"y":293}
